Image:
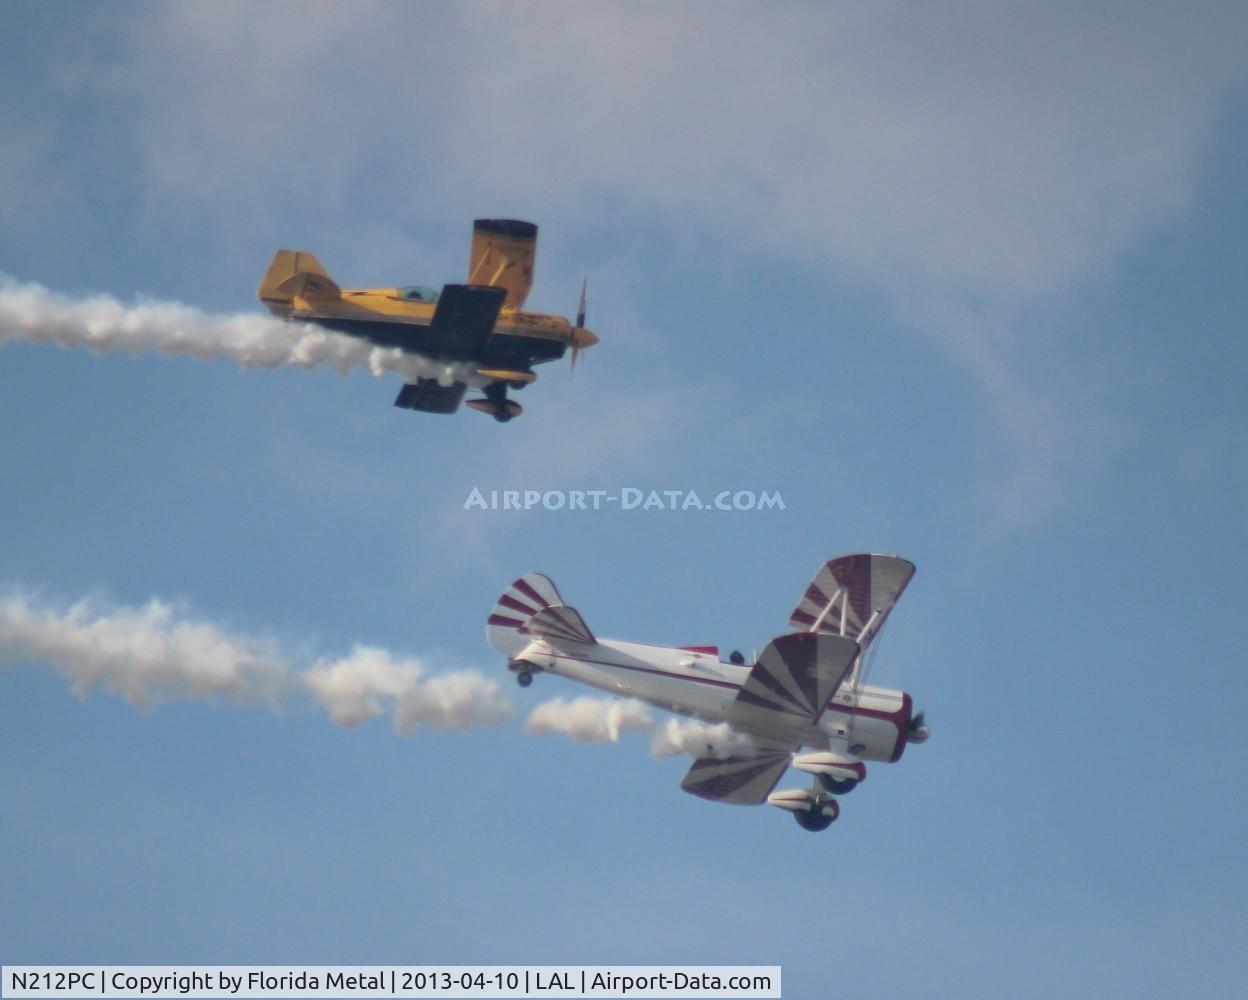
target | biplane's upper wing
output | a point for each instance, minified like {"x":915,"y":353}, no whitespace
{"x":783,"y":694}
{"x":502,"y":255}
{"x":852,"y":595}
{"x":792,"y":682}
{"x":463,"y":321}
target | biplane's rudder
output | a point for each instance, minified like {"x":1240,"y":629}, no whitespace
{"x":294,"y":273}
{"x":532,"y":608}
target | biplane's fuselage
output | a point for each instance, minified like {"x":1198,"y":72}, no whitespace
{"x":695,"y":682}
{"x":384,"y":317}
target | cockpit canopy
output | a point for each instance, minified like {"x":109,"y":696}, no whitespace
{"x":417,"y":293}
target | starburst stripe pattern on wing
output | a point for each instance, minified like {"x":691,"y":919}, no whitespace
{"x":848,"y":590}
{"x":742,"y":780}
{"x":794,"y":679}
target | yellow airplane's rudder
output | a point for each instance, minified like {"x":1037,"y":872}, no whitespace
{"x":295,"y":273}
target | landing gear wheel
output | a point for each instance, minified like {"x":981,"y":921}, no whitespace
{"x":815,"y":820}
{"x":524,"y":678}
{"x":837,"y":786}
{"x":502,"y":416}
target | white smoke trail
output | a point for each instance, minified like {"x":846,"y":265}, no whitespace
{"x":361,"y":686}
{"x":588,"y":720}
{"x":149,"y":654}
{"x":697,"y":739}
{"x":103,"y":324}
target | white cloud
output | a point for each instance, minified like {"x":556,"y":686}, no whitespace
{"x":987,"y":148}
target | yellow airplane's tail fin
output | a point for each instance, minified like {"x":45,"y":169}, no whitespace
{"x":295,"y":273}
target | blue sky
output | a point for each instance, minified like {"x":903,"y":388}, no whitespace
{"x":964,"y":282}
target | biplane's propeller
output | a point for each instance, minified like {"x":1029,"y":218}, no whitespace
{"x":581,"y":338}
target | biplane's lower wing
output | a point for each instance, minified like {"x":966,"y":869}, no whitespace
{"x":740,"y":780}
{"x":463,"y":321}
{"x":783,"y":695}
{"x":427,"y":395}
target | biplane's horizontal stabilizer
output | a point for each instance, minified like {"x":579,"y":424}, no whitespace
{"x":294,"y":273}
{"x":531,"y":608}
{"x":428,"y":395}
{"x":463,"y":321}
{"x":559,"y":624}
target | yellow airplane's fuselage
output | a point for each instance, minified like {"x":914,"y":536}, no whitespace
{"x":389,"y":305}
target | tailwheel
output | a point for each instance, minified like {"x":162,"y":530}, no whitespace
{"x":523,"y":670}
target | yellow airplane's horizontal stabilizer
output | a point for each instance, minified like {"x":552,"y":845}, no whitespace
{"x":295,"y":273}
{"x":506,"y":375}
{"x":510,"y":407}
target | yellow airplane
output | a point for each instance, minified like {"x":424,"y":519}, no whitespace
{"x":478,"y":330}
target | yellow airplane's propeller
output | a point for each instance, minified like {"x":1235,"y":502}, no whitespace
{"x":581,"y":338}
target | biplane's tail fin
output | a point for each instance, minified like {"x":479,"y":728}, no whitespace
{"x":295,"y":273}
{"x":532,"y":608}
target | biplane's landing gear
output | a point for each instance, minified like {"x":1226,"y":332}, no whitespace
{"x":524,"y":672}
{"x":504,"y":409}
{"x":837,"y":786}
{"x":817,"y":818}
{"x":496,"y":403}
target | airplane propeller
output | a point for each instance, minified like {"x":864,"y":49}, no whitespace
{"x":580,"y":336}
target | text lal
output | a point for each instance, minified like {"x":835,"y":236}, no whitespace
{"x":552,"y":981}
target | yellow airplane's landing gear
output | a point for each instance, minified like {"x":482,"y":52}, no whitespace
{"x":515,"y":379}
{"x":496,"y":403}
{"x":502,"y":412}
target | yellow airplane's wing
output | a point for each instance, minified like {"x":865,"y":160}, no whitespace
{"x":502,"y":254}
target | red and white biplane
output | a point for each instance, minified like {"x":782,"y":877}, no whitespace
{"x":803,"y":704}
